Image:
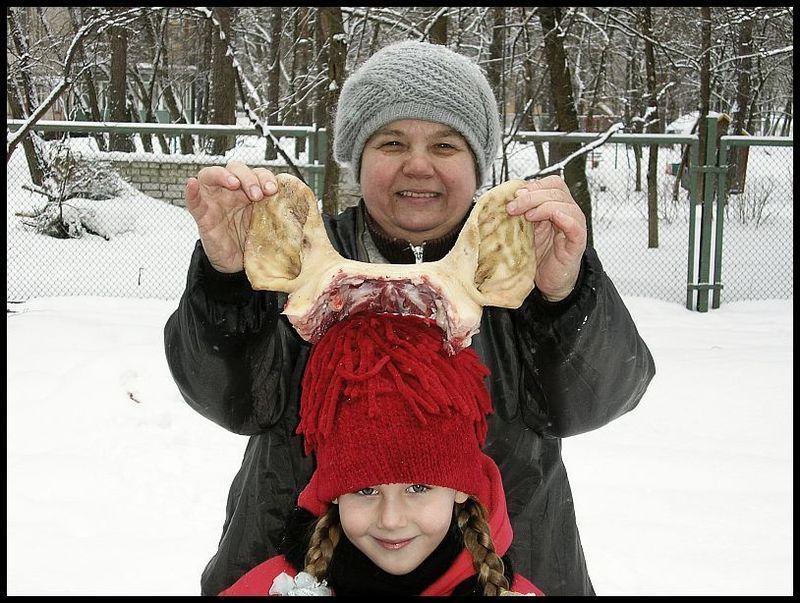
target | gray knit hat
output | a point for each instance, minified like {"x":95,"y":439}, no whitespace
{"x":417,"y":80}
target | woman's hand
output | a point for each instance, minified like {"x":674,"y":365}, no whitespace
{"x":220,"y":201}
{"x":560,"y":233}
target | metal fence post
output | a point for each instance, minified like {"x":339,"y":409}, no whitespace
{"x":708,"y":163}
{"x":317,"y":152}
{"x":323,"y":154}
{"x":722,"y":195}
{"x":707,"y":170}
{"x":694,"y":202}
{"x":313,"y":152}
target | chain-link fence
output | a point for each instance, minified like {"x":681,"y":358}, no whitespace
{"x":758,"y":239}
{"x":757,"y":243}
{"x":111,"y":223}
{"x":124,"y":232}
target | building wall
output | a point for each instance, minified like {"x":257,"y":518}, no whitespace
{"x":167,"y":181}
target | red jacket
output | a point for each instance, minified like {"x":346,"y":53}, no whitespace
{"x":259,"y":579}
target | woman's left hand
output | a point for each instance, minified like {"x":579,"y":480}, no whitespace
{"x":560,"y":233}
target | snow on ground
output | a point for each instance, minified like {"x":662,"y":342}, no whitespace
{"x":115,"y":486}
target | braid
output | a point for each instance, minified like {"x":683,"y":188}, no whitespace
{"x":327,"y":531}
{"x":471,"y":518}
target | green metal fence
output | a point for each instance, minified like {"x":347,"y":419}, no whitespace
{"x":137,"y":243}
{"x":750,"y":210}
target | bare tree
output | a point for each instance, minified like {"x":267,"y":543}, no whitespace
{"x":162,"y":73}
{"x":19,"y":94}
{"x":222,"y":101}
{"x":705,"y":87}
{"x":566,"y":115}
{"x":273,"y":80}
{"x":76,"y":18}
{"x":437,"y":32}
{"x":118,"y":88}
{"x":741,"y":106}
{"x":333,"y":31}
{"x":652,"y":124}
{"x":96,"y":25}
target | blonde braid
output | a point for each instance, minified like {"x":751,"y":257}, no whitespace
{"x":327,"y":531}
{"x":471,"y":518}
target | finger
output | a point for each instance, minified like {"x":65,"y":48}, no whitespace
{"x":193,"y":198}
{"x":573,"y":231}
{"x":525,"y":200}
{"x":548,"y":211}
{"x":192,"y":191}
{"x":552,"y":181}
{"x":248,"y":178}
{"x":216,"y":175}
{"x":267,"y":181}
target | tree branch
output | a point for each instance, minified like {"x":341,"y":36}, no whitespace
{"x":67,"y":78}
{"x":558,"y":167}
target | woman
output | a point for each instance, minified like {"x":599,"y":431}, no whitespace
{"x":419,"y":127}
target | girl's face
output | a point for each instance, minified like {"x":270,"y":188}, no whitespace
{"x":417,"y":179}
{"x":398,"y":525}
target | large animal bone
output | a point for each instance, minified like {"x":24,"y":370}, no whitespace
{"x":492,"y":263}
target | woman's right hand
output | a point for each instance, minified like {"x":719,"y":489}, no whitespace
{"x":220,"y":201}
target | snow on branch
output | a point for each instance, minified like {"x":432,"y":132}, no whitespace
{"x":393,"y":19}
{"x":432,"y":22}
{"x":101,"y":22}
{"x":763,"y":54}
{"x":559,"y":167}
{"x":252,"y":94}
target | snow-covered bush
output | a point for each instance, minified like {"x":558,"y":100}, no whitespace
{"x":69,"y":177}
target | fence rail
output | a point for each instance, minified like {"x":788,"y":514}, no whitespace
{"x":133,"y":244}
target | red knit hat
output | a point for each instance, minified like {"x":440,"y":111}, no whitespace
{"x":382,"y":402}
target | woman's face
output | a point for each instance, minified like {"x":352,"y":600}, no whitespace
{"x":417,"y":178}
{"x":398,"y":525}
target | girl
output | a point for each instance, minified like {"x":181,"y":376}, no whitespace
{"x":402,"y":500}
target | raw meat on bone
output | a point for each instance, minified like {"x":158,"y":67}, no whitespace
{"x":492,"y":263}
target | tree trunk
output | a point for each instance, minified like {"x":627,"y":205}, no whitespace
{"x":297,"y":110}
{"x":141,"y":91}
{"x":303,"y":113}
{"x":438,"y":31}
{"x":528,"y":120}
{"x":88,"y":78}
{"x":20,"y":101}
{"x":787,"y":118}
{"x":597,"y":88}
{"x":205,"y":70}
{"x":566,"y":115}
{"x":635,"y":112}
{"x":321,"y":51}
{"x":118,"y":87}
{"x":27,"y":91}
{"x":743,"y":83}
{"x":743,"y":92}
{"x":31,"y":156}
{"x":705,"y":88}
{"x":274,"y":77}
{"x":653,"y":119}
{"x":494,"y":66}
{"x":333,"y":32}
{"x":223,"y":82}
{"x":175,"y":109}
{"x":496,"y":76}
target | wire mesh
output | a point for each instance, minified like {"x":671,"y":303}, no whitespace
{"x":131,"y":237}
{"x":757,"y":237}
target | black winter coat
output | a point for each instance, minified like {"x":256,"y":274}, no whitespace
{"x":557,"y":369}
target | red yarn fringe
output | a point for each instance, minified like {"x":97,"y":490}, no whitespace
{"x":369,"y":355}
